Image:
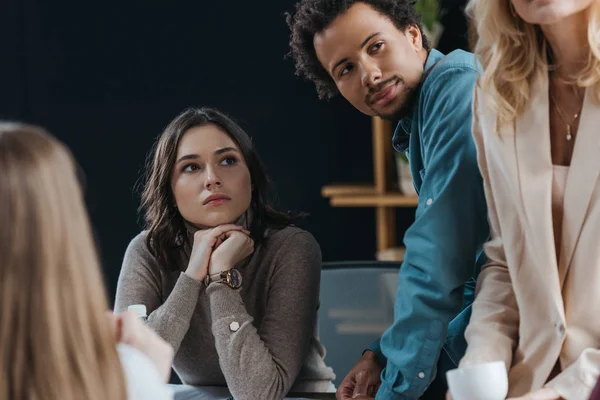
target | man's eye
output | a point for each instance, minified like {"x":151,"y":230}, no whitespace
{"x":376,"y":46}
{"x":345,"y":70}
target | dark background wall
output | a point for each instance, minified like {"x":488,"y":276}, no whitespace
{"x":106,"y":77}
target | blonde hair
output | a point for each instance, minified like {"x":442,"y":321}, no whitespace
{"x":513,"y":53}
{"x":55,"y":338}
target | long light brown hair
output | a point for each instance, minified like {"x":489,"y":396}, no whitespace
{"x":55,"y":339}
{"x":513,"y":52}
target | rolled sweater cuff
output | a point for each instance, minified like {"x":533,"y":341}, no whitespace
{"x":228,"y":312}
{"x":225,"y":302}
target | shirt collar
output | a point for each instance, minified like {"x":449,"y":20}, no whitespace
{"x":400,"y":139}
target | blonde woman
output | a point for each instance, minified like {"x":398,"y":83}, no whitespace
{"x":537,"y":130}
{"x":56,"y":341}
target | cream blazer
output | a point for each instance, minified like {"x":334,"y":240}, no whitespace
{"x":531,"y":310}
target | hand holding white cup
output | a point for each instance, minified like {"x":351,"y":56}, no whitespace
{"x":487,"y":381}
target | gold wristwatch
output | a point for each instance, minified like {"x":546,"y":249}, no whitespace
{"x":232,"y":278}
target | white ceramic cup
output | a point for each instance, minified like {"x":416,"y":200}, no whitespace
{"x":487,"y":381}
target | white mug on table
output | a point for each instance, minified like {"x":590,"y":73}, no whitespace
{"x":487,"y":381}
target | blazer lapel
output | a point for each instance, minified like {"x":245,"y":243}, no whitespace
{"x":581,"y":181}
{"x":535,"y":176}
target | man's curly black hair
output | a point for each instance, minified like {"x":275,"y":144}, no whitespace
{"x":312,"y":16}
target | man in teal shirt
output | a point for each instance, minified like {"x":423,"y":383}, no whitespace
{"x":374,"y":54}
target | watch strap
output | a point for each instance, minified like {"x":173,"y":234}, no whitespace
{"x":218,"y":277}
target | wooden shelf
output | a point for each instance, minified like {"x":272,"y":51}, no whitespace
{"x":348,"y":190}
{"x":376,"y":200}
{"x":391,"y":254}
{"x":382,"y":195}
{"x":366,"y":196}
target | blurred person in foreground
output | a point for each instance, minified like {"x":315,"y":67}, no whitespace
{"x":57,"y":340}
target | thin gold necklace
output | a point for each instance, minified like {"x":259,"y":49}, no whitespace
{"x":575,"y":116}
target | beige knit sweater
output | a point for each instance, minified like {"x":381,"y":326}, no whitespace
{"x":276,"y":348}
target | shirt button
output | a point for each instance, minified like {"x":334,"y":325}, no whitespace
{"x":429,"y":201}
{"x":421,"y":375}
{"x":234,"y":326}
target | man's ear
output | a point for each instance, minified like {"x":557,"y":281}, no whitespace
{"x":413,"y":33}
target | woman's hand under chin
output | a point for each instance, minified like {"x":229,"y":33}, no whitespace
{"x":236,"y":246}
{"x":205,"y":243}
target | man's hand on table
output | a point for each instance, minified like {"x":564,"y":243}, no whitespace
{"x":363,"y":380}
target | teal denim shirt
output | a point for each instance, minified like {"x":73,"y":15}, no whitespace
{"x":444,"y":246}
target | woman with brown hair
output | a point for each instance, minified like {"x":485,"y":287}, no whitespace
{"x":226,"y":278}
{"x":56,"y":342}
{"x":536,"y":123}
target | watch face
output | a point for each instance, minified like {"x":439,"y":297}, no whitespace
{"x":235,"y":278}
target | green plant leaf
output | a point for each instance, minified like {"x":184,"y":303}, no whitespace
{"x":428,"y":10}
{"x":402,"y":156}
